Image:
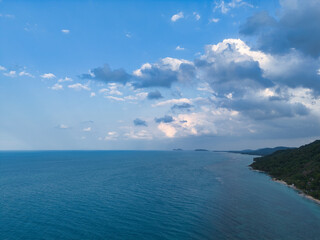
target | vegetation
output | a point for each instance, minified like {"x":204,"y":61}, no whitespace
{"x":299,"y":167}
{"x":258,"y":152}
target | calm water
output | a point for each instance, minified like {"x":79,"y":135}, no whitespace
{"x":146,"y":195}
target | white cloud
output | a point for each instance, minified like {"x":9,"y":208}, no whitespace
{"x":226,"y":7}
{"x":92,"y":94}
{"x":2,"y":68}
{"x":178,"y":48}
{"x":79,"y":86}
{"x":177,"y":16}
{"x":197,"y":16}
{"x":167,"y":129}
{"x":214,"y":20}
{"x":10,"y":74}
{"x":115,"y":98}
{"x":62,"y":126}
{"x":128,"y":35}
{"x":57,"y":86}
{"x":24,"y":73}
{"x":88,"y":129}
{"x":172,"y":101}
{"x":48,"y":75}
{"x":111,"y":136}
{"x":143,"y":134}
{"x":66,"y":79}
{"x":7,"y":15}
{"x":65,"y":31}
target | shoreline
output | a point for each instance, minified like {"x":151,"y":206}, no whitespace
{"x":300,"y":192}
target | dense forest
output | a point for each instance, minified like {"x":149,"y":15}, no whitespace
{"x":299,"y":166}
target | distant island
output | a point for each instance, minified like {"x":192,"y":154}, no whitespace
{"x":177,"y":149}
{"x":201,"y":150}
{"x":299,"y":167}
{"x":258,"y":152}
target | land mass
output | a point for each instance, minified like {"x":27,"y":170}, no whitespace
{"x":259,"y":152}
{"x":299,"y":167}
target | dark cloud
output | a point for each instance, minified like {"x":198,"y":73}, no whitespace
{"x":259,"y":22}
{"x":140,"y":122}
{"x":162,"y":75}
{"x":298,"y":27}
{"x":266,"y":109}
{"x":154,"y":95}
{"x":182,"y":106}
{"x":105,"y":74}
{"x":165,"y":119}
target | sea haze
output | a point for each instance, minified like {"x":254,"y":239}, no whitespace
{"x":147,"y":195}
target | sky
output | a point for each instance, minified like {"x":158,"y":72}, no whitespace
{"x":148,"y":75}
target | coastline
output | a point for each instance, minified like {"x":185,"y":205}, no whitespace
{"x":300,"y":192}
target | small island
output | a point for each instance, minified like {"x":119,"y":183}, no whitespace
{"x":201,"y":150}
{"x":298,"y":168}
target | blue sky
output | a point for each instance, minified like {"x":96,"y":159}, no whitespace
{"x":158,"y":74}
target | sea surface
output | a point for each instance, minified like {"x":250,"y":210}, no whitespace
{"x":147,"y":195}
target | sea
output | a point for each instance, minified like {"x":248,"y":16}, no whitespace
{"x":147,"y":195}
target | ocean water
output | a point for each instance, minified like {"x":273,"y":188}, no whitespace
{"x":147,"y":195}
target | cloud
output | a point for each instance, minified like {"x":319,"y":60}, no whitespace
{"x":62,"y":126}
{"x":165,"y":119}
{"x":178,"y":48}
{"x":140,"y":122}
{"x":66,"y":79}
{"x":92,"y":94}
{"x":48,"y":75}
{"x":79,"y":86}
{"x":167,"y":129}
{"x":214,"y":20}
{"x":296,"y":28}
{"x":111,"y":136}
{"x":105,"y":74}
{"x":24,"y":73}
{"x":115,"y":98}
{"x":164,"y":73}
{"x":57,"y":86}
{"x":196,"y":16}
{"x":225,"y":7}
{"x":172,"y":101}
{"x":10,"y":74}
{"x":2,"y":68}
{"x":177,"y":16}
{"x":154,"y":95}
{"x":88,"y":129}
{"x":182,"y":106}
{"x":65,"y":31}
{"x":7,"y":15}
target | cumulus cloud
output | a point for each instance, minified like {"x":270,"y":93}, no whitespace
{"x":65,"y":31}
{"x":165,"y":119}
{"x":178,"y":48}
{"x":57,"y":86}
{"x":140,"y":122}
{"x":182,"y":106}
{"x":164,"y":73}
{"x":24,"y":73}
{"x":11,"y":74}
{"x":105,"y":74}
{"x":66,"y":79}
{"x":79,"y":86}
{"x":2,"y":68}
{"x":48,"y":75}
{"x":62,"y":126}
{"x":214,"y":20}
{"x":296,"y":28}
{"x":88,"y":129}
{"x":154,"y":95}
{"x":177,"y":16}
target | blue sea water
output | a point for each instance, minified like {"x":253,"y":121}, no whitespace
{"x":147,"y":195}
